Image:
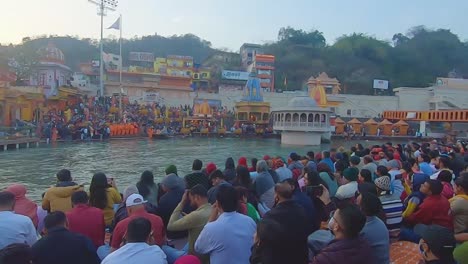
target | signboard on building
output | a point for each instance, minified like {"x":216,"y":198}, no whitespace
{"x":235,"y":75}
{"x":141,"y":56}
{"x":111,"y":61}
{"x":381,"y":84}
{"x":151,"y":97}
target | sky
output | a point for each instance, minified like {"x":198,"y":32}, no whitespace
{"x":228,"y":24}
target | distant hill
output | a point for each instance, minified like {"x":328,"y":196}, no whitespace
{"x":413,"y":59}
{"x":77,"y":51}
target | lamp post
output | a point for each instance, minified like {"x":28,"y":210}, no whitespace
{"x":103,"y":5}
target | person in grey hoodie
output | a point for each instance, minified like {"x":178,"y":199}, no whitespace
{"x":264,"y":185}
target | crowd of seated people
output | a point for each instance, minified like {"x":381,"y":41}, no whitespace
{"x":337,"y":206}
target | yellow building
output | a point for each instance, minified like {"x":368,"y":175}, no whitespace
{"x":174,"y":65}
{"x":22,"y":103}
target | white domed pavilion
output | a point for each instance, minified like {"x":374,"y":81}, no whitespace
{"x":302,"y":122}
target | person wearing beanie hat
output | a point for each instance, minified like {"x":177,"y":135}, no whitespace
{"x":391,"y":203}
{"x":396,"y":185}
{"x":383,"y":183}
{"x":242,"y":162}
{"x":266,"y":158}
{"x":350,"y":186}
{"x":282,"y":171}
{"x":171,"y":169}
{"x":210,"y":167}
{"x":174,"y":188}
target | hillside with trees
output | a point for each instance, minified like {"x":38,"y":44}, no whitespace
{"x":415,"y":58}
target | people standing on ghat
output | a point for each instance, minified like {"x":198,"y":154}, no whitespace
{"x":103,"y":194}
{"x":147,"y":188}
{"x":14,"y":228}
{"x":217,"y":179}
{"x":57,"y":198}
{"x":23,"y":205}
{"x":192,"y":222}
{"x":139,"y":246}
{"x":86,"y":220}
{"x":223,"y":244}
{"x":197,"y":176}
{"x":59,"y":245}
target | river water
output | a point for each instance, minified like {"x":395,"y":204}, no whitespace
{"x":126,"y":159}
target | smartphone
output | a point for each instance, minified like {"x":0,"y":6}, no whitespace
{"x":315,"y":190}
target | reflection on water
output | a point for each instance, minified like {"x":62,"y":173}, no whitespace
{"x":125,"y":160}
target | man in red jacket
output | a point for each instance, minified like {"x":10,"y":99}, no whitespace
{"x":86,"y":220}
{"x":435,"y":209}
{"x":136,"y":209}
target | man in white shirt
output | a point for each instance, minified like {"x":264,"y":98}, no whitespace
{"x":139,"y":246}
{"x":14,"y":228}
{"x":228,"y":237}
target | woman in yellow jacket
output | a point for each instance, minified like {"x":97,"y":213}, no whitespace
{"x":103,"y":196}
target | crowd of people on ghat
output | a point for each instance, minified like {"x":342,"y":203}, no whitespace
{"x":100,"y":118}
{"x":363,"y":205}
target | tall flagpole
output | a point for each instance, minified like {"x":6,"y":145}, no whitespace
{"x":120,"y":72}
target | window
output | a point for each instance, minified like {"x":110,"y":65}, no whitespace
{"x":265,"y":80}
{"x":348,"y":112}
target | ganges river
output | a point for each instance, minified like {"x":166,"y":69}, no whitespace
{"x":126,"y":159}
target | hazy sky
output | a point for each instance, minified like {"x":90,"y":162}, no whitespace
{"x":231,"y":23}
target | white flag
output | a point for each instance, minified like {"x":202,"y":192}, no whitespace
{"x":116,"y":25}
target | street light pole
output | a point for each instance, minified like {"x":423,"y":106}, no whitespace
{"x":103,"y":5}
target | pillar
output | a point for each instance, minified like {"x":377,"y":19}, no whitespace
{"x":17,"y":145}
{"x":5,"y":147}
{"x":27,"y":145}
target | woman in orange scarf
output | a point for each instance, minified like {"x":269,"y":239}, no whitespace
{"x":23,"y":205}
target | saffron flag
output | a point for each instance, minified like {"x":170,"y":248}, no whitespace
{"x":116,"y":25}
